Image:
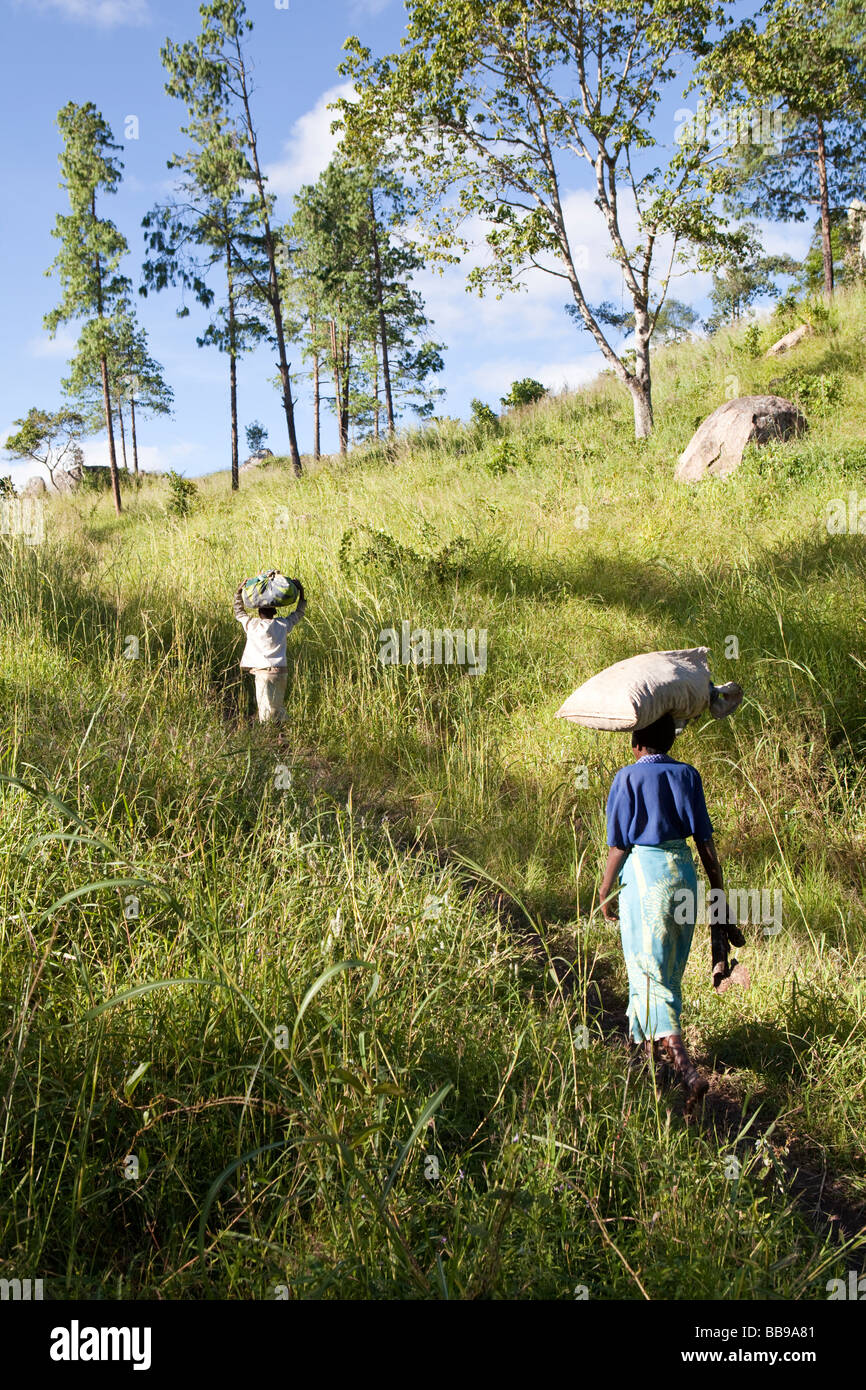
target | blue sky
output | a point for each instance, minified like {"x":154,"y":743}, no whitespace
{"x":107,"y":51}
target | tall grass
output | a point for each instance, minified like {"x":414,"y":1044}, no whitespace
{"x":303,"y":1013}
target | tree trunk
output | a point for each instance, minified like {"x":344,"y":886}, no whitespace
{"x":383,"y":325}
{"x":233,"y":367}
{"x":824,"y":196}
{"x":640,"y":384}
{"x":338,"y":382}
{"x":106,"y":393}
{"x":273,"y":278}
{"x":377,"y":407}
{"x":134,"y":440}
{"x":643,"y":411}
{"x":122,"y":438}
{"x":109,"y":424}
{"x":344,"y":405}
{"x":317,"y":409}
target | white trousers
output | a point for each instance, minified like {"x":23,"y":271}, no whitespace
{"x":271,"y":694}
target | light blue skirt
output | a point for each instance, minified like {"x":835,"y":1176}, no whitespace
{"x":657,"y":923}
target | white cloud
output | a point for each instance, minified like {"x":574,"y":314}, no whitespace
{"x":62,"y":345}
{"x":493,"y":378}
{"x":105,"y":14}
{"x":310,"y":145}
{"x":368,"y":9}
{"x":182,"y":455}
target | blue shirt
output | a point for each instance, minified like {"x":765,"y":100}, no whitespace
{"x":656,"y":799}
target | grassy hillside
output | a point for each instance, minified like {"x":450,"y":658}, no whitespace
{"x":342,"y":1039}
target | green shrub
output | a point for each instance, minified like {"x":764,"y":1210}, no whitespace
{"x":485,"y":421}
{"x":821,"y":317}
{"x":813,"y":390}
{"x":384,"y":554}
{"x":183,"y":491}
{"x":501,"y":457}
{"x":524,"y":392}
{"x":752,"y":341}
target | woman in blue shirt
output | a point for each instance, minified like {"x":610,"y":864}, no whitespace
{"x":655,"y":805}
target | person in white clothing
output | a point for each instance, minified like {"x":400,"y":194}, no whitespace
{"x":265,"y":652}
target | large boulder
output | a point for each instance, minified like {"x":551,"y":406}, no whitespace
{"x":790,"y":340}
{"x":67,"y":480}
{"x":34,"y":487}
{"x":256,"y":460}
{"x":716,"y":449}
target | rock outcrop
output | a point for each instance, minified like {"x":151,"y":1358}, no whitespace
{"x":790,"y":340}
{"x":717,"y":447}
{"x":256,"y":460}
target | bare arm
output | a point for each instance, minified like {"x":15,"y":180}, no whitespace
{"x":240,"y":612}
{"x":301,"y":609}
{"x":296,"y":617}
{"x":711,"y":862}
{"x":615,"y":860}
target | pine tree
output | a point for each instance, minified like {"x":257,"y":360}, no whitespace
{"x":210,"y":224}
{"x":802,"y":62}
{"x":136,"y":380}
{"x":351,"y":273}
{"x":91,"y":249}
{"x":210,"y":74}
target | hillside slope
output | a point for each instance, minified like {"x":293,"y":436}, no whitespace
{"x":306,"y":1011}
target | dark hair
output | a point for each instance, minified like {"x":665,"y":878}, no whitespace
{"x":658,"y":736}
{"x":267,"y":611}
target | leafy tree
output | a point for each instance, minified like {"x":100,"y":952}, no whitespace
{"x":524,"y":392}
{"x":91,"y":248}
{"x":136,"y":380}
{"x":675,"y":321}
{"x":803,"y":61}
{"x":811,"y":277}
{"x":210,"y":223}
{"x":485,"y":421}
{"x":211,"y":75}
{"x":256,"y":436}
{"x":50,"y":438}
{"x":489,"y":104}
{"x":305,"y":310}
{"x":349,"y":275}
{"x":739,"y":283}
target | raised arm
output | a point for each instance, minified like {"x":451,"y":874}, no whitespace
{"x":240,"y":612}
{"x":294,"y":618}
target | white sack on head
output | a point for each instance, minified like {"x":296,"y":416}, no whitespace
{"x":636,"y":692}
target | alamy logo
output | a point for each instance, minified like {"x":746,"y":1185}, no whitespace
{"x":23,"y":516}
{"x":846,"y":515}
{"x":21,"y":1290}
{"x":755,"y":905}
{"x":442,"y":647}
{"x":76,"y":1343}
{"x":856,"y":1288}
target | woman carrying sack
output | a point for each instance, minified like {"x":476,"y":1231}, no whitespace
{"x":655,"y":805}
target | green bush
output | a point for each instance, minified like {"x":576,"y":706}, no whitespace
{"x":752,"y":341}
{"x":524,"y":392}
{"x":501,"y":457}
{"x":183,"y":491}
{"x":820,"y":316}
{"x":485,"y":421}
{"x":813,"y":390}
